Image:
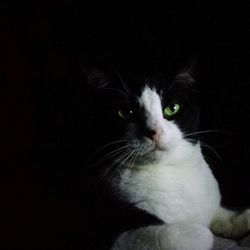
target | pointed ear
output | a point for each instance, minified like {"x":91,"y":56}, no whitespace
{"x":185,"y":78}
{"x":96,"y":79}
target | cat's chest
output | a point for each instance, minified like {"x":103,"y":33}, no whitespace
{"x":169,"y":192}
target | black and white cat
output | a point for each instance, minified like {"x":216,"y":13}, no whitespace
{"x":152,"y":164}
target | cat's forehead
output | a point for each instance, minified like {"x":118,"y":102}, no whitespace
{"x":150,"y":102}
{"x":147,"y":86}
{"x":149,"y":97}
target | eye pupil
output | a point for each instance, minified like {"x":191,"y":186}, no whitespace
{"x":173,"y":107}
{"x":125,"y":113}
{"x":171,"y":110}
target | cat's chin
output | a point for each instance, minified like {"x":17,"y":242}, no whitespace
{"x":153,"y":155}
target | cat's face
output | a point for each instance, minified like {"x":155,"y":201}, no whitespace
{"x":151,"y":131}
{"x":147,"y":122}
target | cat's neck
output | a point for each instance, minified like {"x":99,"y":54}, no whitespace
{"x":185,"y":154}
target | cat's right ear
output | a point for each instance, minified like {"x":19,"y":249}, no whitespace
{"x":96,"y":79}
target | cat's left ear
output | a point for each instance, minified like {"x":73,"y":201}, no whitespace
{"x":97,"y":80}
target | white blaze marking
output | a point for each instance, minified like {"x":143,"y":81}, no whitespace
{"x":151,"y":103}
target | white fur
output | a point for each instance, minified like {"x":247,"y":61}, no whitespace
{"x":151,"y":103}
{"x":178,"y":188}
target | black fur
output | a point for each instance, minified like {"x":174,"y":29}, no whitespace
{"x":109,"y":93}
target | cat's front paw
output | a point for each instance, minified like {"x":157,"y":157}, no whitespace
{"x":246,"y":219}
{"x":188,"y":236}
{"x":241,"y":224}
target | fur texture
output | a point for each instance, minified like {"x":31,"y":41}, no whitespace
{"x":159,"y":170}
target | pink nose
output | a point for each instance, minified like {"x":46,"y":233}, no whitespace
{"x":157,"y":135}
{"x":153,"y":133}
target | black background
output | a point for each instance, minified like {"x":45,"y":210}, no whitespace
{"x":45,"y":46}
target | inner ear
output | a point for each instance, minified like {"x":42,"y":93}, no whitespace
{"x":185,"y":81}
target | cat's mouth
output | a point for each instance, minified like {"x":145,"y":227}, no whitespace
{"x":153,"y":148}
{"x":157,"y":147}
{"x":148,"y":149}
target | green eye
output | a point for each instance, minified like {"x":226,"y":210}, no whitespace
{"x":125,"y":113}
{"x":171,"y":110}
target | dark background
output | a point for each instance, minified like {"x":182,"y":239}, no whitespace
{"x":45,"y":47}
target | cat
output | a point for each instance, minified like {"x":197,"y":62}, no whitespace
{"x":154,"y":163}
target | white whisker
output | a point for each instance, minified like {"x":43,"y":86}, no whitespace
{"x":125,"y":86}
{"x":109,"y":144}
{"x":203,"y":132}
{"x":117,"y":90}
{"x":108,"y":169}
{"x":124,"y":158}
{"x":205,"y":145}
{"x":133,"y":159}
{"x":112,"y":154}
{"x":124,"y":161}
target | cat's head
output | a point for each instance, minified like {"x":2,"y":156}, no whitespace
{"x":141,"y":120}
